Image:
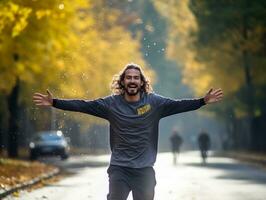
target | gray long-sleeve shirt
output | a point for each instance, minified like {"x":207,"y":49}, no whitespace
{"x":133,"y":125}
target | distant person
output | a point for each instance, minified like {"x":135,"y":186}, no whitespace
{"x":204,"y":145}
{"x":176,"y":142}
{"x":134,"y":112}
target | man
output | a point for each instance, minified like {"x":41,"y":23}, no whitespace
{"x":176,"y":142}
{"x":204,"y":145}
{"x":133,"y":113}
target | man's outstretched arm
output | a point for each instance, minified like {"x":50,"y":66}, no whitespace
{"x":95,"y":107}
{"x":172,"y":106}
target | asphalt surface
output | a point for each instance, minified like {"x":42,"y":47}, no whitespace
{"x":220,"y":179}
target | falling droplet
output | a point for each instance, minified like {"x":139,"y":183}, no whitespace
{"x":61,"y":6}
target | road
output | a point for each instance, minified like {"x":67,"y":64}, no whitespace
{"x":219,"y":179}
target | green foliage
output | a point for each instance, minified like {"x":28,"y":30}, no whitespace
{"x":220,"y":44}
{"x":234,"y":33}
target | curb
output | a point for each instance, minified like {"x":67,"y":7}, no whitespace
{"x":8,"y":191}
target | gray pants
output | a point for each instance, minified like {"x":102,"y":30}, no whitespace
{"x":122,"y":180}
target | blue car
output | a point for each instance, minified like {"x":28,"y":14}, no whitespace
{"x":49,"y":143}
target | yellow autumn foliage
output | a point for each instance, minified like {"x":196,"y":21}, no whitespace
{"x":73,"y":48}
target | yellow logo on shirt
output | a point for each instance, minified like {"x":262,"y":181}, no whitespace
{"x":142,"y":110}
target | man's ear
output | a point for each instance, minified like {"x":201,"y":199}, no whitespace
{"x":142,"y":83}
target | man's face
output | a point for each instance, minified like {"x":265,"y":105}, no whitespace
{"x":132,"y":82}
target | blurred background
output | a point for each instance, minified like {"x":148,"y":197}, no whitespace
{"x":73,"y":48}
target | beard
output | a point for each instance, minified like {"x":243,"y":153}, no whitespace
{"x":132,"y":91}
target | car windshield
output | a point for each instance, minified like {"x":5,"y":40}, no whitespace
{"x":48,"y":137}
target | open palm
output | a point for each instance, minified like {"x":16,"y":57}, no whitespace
{"x":213,"y":96}
{"x":43,"y":100}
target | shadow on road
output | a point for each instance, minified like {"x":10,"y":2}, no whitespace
{"x":234,"y":171}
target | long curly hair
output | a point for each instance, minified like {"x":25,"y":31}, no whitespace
{"x":118,"y":88}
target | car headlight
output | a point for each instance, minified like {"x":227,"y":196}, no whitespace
{"x":32,"y":145}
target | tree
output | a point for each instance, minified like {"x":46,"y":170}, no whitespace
{"x":222,"y":44}
{"x":21,"y":23}
{"x":64,"y":46}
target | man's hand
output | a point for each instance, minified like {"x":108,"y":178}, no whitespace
{"x":213,"y":96}
{"x":43,"y":100}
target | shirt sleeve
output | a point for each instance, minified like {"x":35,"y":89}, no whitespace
{"x":168,"y":106}
{"x":98,"y":107}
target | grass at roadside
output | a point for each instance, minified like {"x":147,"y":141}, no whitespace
{"x":13,"y":171}
{"x":254,"y":158}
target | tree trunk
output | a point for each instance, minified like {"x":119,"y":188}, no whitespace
{"x":13,"y":108}
{"x":248,"y":78}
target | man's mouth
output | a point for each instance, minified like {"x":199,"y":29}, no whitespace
{"x":132,"y":89}
{"x":132,"y":86}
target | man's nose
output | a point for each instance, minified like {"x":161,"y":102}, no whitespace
{"x":132,"y":80}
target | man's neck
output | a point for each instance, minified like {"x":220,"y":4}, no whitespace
{"x":133,"y":98}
